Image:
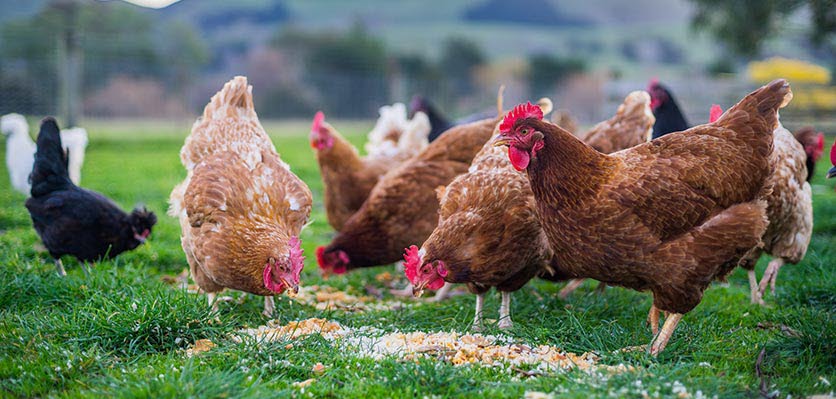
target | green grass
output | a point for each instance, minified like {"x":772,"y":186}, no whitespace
{"x":122,"y":332}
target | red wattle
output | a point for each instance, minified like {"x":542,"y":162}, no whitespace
{"x":436,"y":284}
{"x":519,"y":158}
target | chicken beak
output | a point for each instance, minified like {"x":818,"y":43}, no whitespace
{"x":831,"y":173}
{"x":139,"y":238}
{"x":418,"y":290}
{"x":293,"y":289}
{"x":500,"y":141}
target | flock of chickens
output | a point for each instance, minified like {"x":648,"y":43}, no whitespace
{"x":639,"y":201}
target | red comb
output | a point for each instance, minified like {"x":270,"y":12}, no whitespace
{"x":320,"y":257}
{"x":522,"y":111}
{"x":653,"y":82}
{"x":317,"y":121}
{"x":715,"y":113}
{"x":411,"y":263}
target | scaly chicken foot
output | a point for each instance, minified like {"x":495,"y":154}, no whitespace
{"x":59,"y":267}
{"x":657,"y":345}
{"x":769,"y":276}
{"x":269,"y":306}
{"x":477,"y":320}
{"x":754,"y":291}
{"x":505,"y":311}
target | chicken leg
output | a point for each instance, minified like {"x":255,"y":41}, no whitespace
{"x":754,"y":290}
{"x":59,"y":267}
{"x":269,"y":306}
{"x":769,"y":276}
{"x":477,"y":320}
{"x":653,"y":320}
{"x":570,"y":288}
{"x":505,"y":311}
{"x":212,"y":298}
{"x":657,"y":345}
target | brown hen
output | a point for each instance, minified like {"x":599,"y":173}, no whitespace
{"x":486,"y":235}
{"x":240,"y":208}
{"x":402,"y":208}
{"x":631,"y":125}
{"x":348,"y":178}
{"x":668,"y":216}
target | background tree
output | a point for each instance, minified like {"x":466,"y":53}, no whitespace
{"x":743,"y":25}
{"x":115,"y":38}
{"x":459,"y":60}
{"x":546,"y":71}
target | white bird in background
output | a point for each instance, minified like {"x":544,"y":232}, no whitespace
{"x":20,"y":150}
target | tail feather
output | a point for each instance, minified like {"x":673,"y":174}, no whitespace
{"x":236,"y":96}
{"x":762,"y":104}
{"x":50,"y":170}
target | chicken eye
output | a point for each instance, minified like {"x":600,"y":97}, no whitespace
{"x":524,"y":131}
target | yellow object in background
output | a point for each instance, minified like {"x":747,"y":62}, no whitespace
{"x":796,"y":71}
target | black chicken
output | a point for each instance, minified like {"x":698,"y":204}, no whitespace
{"x":669,"y":118}
{"x":74,"y":221}
{"x":438,"y":122}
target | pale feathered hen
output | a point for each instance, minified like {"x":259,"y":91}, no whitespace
{"x":789,"y":210}
{"x":241,"y":209}
{"x":631,"y":125}
{"x":396,"y":135}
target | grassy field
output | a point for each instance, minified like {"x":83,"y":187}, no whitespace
{"x":123,"y":332}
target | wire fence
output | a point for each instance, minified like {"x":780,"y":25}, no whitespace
{"x":125,"y":88}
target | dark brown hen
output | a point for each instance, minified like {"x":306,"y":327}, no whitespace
{"x":667,"y":216}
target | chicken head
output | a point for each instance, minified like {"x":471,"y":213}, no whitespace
{"x":522,"y":139}
{"x":430,"y":275}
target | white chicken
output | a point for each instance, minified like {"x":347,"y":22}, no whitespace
{"x":20,"y":150}
{"x":394,"y":134}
